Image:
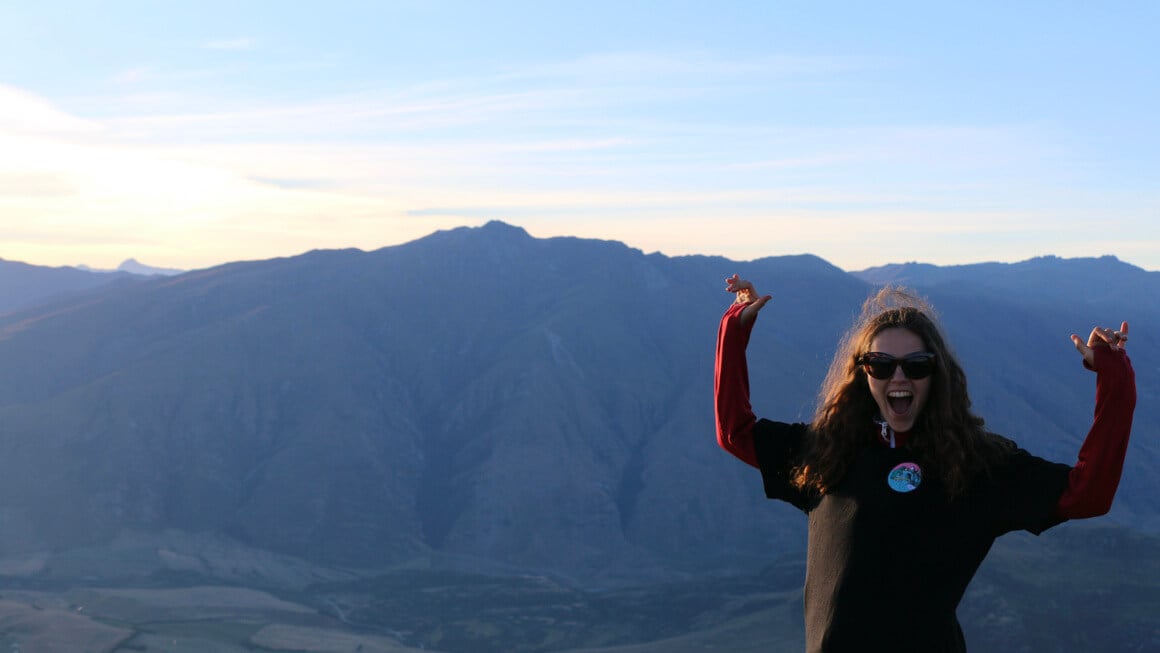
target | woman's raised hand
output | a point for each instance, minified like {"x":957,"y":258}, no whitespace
{"x":1101,"y":336}
{"x":746,"y":294}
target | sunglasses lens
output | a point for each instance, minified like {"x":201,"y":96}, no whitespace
{"x":916,"y":366}
{"x":881,"y":368}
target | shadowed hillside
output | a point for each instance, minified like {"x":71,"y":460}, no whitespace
{"x":478,"y":394}
{"x":483,"y":400}
{"x":23,"y":285}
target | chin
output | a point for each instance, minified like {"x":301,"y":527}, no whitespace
{"x":902,"y":424}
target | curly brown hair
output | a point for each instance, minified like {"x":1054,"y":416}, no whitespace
{"x":947,"y":437}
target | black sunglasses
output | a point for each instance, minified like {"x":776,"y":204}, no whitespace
{"x":918,"y":365}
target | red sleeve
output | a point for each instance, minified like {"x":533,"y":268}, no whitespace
{"x":1093,"y":481}
{"x":735,"y":418}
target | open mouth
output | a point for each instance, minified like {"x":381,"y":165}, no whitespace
{"x":900,"y":401}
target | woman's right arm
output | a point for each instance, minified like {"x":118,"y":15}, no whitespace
{"x":735,"y":418}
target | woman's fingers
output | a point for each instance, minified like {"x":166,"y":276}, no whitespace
{"x":1101,"y":336}
{"x":1110,"y":337}
{"x":743,"y":289}
{"x":736,"y":284}
{"x":1084,"y":350}
{"x":1079,"y":344}
{"x":1105,"y":334}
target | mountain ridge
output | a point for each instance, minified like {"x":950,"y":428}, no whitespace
{"x":23,"y":285}
{"x":475,"y":395}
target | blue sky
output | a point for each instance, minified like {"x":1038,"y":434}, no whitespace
{"x":191,"y":134}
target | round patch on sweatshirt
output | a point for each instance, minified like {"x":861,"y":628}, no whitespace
{"x":905,"y":477}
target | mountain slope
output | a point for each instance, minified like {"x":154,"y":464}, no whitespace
{"x":477,"y":398}
{"x":23,"y":285}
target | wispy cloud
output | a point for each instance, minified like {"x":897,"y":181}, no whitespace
{"x":598,"y":146}
{"x":589,"y":91}
{"x":23,"y":114}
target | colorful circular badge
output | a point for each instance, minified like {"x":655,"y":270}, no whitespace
{"x":905,"y":477}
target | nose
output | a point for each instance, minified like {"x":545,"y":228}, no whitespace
{"x":898,"y":375}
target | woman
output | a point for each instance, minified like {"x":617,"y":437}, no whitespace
{"x":904,"y":489}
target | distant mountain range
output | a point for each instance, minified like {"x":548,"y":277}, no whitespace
{"x":23,"y":285}
{"x":487,"y":400}
{"x":133,"y":266}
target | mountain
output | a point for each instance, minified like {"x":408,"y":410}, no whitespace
{"x":133,"y":266}
{"x":1045,"y":279}
{"x":483,"y":400}
{"x":23,"y":285}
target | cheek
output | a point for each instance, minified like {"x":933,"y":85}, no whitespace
{"x":922,"y":390}
{"x":877,"y":389}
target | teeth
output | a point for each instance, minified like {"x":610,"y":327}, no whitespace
{"x":900,"y":393}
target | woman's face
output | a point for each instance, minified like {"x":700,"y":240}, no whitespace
{"x":899,"y":399}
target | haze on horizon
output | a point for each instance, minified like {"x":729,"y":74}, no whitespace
{"x":193,"y":134}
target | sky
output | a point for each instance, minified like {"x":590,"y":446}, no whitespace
{"x":189,"y":134}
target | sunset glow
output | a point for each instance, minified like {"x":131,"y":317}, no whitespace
{"x":191,"y":138}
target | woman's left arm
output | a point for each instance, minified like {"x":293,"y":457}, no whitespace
{"x":1093,"y":481}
